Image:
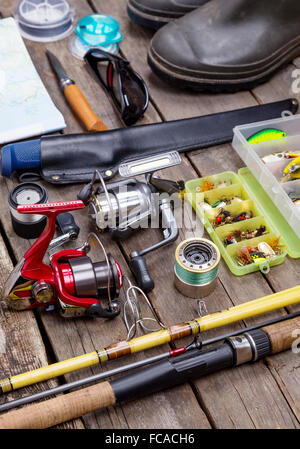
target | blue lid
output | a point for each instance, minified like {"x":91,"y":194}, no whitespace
{"x":98,"y":29}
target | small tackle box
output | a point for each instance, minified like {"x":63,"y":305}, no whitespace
{"x":241,"y":197}
{"x":269,"y":175}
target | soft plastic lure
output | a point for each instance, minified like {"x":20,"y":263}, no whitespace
{"x":266,"y":134}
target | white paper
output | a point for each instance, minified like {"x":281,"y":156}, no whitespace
{"x":26,"y":109}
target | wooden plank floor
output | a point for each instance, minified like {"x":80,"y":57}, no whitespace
{"x":264,"y":395}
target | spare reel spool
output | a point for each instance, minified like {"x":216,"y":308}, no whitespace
{"x":91,"y":278}
{"x":45,"y":20}
{"x":196,"y":267}
{"x":27,"y":226}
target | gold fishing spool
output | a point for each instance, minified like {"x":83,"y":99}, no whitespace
{"x":196,"y":267}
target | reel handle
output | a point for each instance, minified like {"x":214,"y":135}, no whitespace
{"x":139,"y":268}
{"x":50,"y":209}
{"x":67,"y":225}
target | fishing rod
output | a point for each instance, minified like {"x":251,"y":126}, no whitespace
{"x":197,"y":344}
{"x":250,"y":346}
{"x":243,"y":311}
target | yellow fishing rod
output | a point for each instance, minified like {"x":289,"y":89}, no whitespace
{"x":243,"y":311}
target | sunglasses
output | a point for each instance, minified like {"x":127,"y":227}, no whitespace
{"x":126,"y":87}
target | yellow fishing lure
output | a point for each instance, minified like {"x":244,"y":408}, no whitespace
{"x":266,"y":134}
{"x":293,"y":168}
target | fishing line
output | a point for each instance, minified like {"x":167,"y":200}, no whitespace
{"x":27,"y":226}
{"x":196,"y":267}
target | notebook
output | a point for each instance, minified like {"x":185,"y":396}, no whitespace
{"x":26,"y":108}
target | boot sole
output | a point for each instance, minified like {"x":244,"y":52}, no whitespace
{"x":146,"y":20}
{"x":216,"y":85}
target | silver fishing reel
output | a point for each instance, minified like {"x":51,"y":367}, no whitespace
{"x":127,"y":205}
{"x":121,"y":207}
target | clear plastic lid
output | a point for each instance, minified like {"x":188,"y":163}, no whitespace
{"x":79,"y":48}
{"x":45,"y":20}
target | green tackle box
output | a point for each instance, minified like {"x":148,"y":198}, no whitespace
{"x":252,"y":197}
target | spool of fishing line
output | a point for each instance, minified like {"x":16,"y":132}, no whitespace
{"x":27,"y":226}
{"x":196,"y":267}
{"x":45,"y":20}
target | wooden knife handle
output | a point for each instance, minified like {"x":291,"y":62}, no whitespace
{"x":282,"y":335}
{"x":82,"y":109}
{"x":60,"y":409}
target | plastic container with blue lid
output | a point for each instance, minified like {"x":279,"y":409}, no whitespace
{"x":98,"y":29}
{"x":95,"y":31}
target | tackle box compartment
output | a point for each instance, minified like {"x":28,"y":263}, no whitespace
{"x":251,"y":154}
{"x":229,"y":185}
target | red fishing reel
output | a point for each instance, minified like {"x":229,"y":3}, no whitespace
{"x":71,"y":280}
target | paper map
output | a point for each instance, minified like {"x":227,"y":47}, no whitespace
{"x":26,"y":108}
